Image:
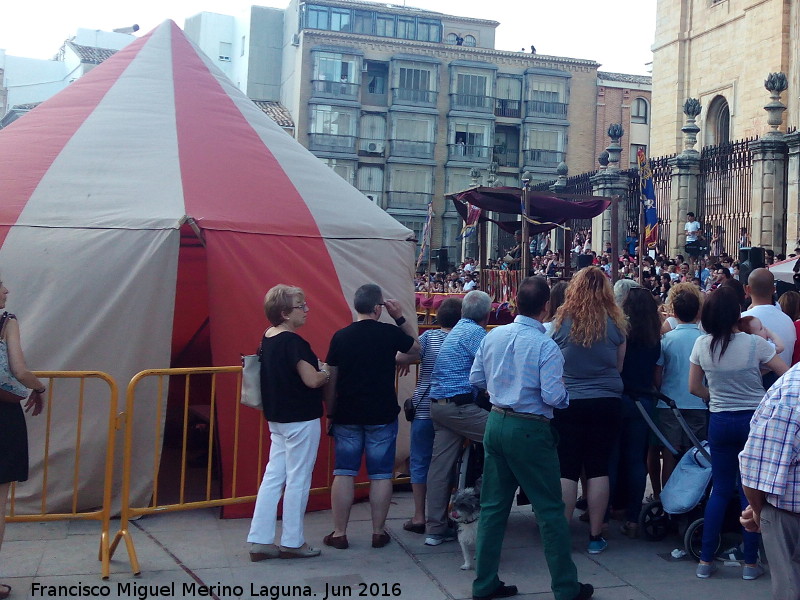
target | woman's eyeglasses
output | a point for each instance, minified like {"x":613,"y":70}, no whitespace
{"x":303,"y":307}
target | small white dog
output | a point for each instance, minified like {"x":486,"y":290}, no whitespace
{"x":466,"y":511}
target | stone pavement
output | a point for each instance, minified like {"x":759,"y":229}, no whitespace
{"x":184,"y":551}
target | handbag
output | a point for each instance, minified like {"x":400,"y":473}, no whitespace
{"x":410,"y":409}
{"x":251,"y":379}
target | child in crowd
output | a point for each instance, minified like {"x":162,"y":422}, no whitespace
{"x":754,"y":326}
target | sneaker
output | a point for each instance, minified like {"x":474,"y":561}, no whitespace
{"x":704,"y":571}
{"x":750,"y":573}
{"x":586,"y":591}
{"x":435,"y":539}
{"x":597,"y":546}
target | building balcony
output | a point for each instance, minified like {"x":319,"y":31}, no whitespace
{"x":472,"y":102}
{"x":506,"y":157}
{"x":547,"y":110}
{"x":412,"y":149}
{"x":326,"y":142}
{"x":507,"y":108}
{"x":417,"y":200}
{"x":468,"y":152}
{"x":324,"y":88}
{"x":418,"y":97}
{"x":544,"y":158}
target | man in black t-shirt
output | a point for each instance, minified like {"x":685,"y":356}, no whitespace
{"x":362,"y":404}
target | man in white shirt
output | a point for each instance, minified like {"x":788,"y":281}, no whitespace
{"x":471,"y":283}
{"x":692,"y":228}
{"x":760,"y":287}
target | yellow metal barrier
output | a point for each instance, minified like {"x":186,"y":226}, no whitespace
{"x":102,"y":514}
{"x":157,"y":505}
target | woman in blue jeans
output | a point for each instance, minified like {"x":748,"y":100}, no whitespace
{"x":731,"y":362}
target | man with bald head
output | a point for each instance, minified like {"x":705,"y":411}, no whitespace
{"x":761,"y":288}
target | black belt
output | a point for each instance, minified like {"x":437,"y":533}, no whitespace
{"x":511,"y":413}
{"x":458,"y":399}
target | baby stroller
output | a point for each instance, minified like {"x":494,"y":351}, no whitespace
{"x":682,"y":502}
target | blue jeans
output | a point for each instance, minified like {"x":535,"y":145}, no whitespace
{"x":727,"y":434}
{"x":628,"y":469}
{"x":378,"y":442}
{"x":422,"y":434}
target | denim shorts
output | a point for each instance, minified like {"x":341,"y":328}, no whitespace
{"x":421,"y":449}
{"x":378,"y":442}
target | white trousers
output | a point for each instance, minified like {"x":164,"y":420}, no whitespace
{"x":292,"y":455}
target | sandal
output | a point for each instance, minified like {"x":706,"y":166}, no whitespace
{"x":5,"y":591}
{"x":414,"y":527}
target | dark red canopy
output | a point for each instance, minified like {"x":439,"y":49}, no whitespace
{"x":549,"y":209}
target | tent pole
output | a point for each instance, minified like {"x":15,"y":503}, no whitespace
{"x":641,"y":243}
{"x":525,"y":261}
{"x":614,"y":238}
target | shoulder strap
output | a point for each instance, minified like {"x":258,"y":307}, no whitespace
{"x":3,"y":320}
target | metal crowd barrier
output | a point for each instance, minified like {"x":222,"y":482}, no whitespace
{"x":101,"y":514}
{"x":182,"y":502}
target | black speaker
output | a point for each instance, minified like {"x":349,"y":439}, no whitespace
{"x":749,"y":259}
{"x":442,"y":263}
{"x":755,"y":256}
{"x":584,"y":260}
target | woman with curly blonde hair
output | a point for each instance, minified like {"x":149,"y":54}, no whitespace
{"x":590,"y":329}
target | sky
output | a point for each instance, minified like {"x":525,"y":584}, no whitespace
{"x":618,"y":34}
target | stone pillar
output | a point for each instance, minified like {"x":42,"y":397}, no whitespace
{"x":769,"y":167}
{"x":599,"y":220}
{"x":558,"y":237}
{"x":769,"y":193}
{"x":685,"y":184}
{"x":793,"y":192}
{"x":610,"y":182}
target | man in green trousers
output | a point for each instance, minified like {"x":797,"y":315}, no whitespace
{"x":522,"y":369}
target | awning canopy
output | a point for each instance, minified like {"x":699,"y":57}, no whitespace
{"x":547,"y":209}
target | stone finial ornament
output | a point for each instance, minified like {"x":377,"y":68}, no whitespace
{"x":692,"y":107}
{"x":776,"y":83}
{"x":603,"y":159}
{"x":615,"y":131}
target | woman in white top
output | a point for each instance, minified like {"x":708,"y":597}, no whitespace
{"x":731,"y":362}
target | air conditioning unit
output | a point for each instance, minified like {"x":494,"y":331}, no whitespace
{"x":296,"y":39}
{"x":376,"y":147}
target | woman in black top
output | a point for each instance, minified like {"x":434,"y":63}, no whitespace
{"x":638,"y":371}
{"x":291,"y":382}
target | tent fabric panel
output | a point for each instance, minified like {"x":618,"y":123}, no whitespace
{"x":90,"y":300}
{"x":27,"y":154}
{"x":241,"y":268}
{"x":129,"y":149}
{"x":338,"y":208}
{"x":232,"y":177}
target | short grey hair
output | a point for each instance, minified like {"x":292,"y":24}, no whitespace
{"x":621,"y":289}
{"x":476,"y":305}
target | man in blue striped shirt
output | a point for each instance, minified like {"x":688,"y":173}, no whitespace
{"x":453,"y":410}
{"x":522,"y":368}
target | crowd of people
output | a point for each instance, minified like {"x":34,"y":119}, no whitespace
{"x":559,"y":384}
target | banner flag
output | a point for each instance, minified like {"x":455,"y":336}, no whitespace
{"x":471,"y":224}
{"x":426,"y":234}
{"x":648,"y":192}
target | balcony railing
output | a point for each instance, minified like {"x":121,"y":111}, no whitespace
{"x":408,"y":96}
{"x":335,"y":89}
{"x":468,"y":152}
{"x":412,"y":149}
{"x":472,"y":102}
{"x":507,"y":108}
{"x":551,"y":110}
{"x":544,"y":158}
{"x":507,"y":157}
{"x":326,"y":142}
{"x":409,"y":199}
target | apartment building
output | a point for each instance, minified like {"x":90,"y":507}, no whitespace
{"x":405,"y":103}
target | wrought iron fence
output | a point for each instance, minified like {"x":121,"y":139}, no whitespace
{"x":726,"y":177}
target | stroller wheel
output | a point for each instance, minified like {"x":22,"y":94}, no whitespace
{"x":654,"y":523}
{"x":693,"y":539}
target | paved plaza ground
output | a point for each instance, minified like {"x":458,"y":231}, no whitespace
{"x":188,"y":550}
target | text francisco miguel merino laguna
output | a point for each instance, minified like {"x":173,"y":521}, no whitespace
{"x":133,"y":589}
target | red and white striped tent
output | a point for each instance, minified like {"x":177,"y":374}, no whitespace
{"x":150,"y":197}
